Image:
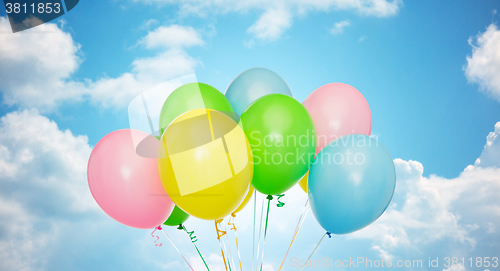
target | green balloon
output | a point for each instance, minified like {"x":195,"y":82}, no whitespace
{"x":281,"y":133}
{"x":177,"y":217}
{"x":193,"y":96}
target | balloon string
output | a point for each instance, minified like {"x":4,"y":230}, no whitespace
{"x":158,"y":228}
{"x":260,"y":232}
{"x":280,"y":204}
{"x":254,"y":208}
{"x":177,"y":249}
{"x":314,"y":250}
{"x":269,"y":197}
{"x":224,"y":245}
{"x":233,"y":215}
{"x":230,"y":250}
{"x":193,"y":241}
{"x":219,"y":235}
{"x":297,"y":228}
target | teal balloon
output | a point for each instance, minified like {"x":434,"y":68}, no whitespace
{"x":252,"y":84}
{"x":351,"y":183}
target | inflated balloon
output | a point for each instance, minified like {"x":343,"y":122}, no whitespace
{"x":205,"y":163}
{"x":125,"y":185}
{"x":351,"y":183}
{"x":281,"y":133}
{"x":193,"y":96}
{"x":337,"y":110}
{"x":252,"y":84}
{"x":177,"y":217}
{"x":245,"y":201}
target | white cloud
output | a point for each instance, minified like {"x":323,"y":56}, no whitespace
{"x":146,"y":73}
{"x":457,"y":267}
{"x":271,"y":24}
{"x":43,"y":180}
{"x":338,"y":27}
{"x":277,"y":15}
{"x":38,"y":63}
{"x":483,"y":66}
{"x":32,"y":143}
{"x":174,"y":36}
{"x":214,"y":261}
{"x":433,"y":210}
{"x":490,"y":157}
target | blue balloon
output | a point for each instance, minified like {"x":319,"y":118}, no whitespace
{"x":252,"y":84}
{"x":351,"y":183}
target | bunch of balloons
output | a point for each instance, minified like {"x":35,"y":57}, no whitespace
{"x":214,"y":149}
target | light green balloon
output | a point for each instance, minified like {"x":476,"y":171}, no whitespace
{"x":193,"y":96}
{"x":281,"y":133}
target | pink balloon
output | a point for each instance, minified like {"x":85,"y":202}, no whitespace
{"x":124,"y":184}
{"x":338,"y":109}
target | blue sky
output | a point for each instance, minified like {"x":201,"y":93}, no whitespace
{"x":428,"y":69}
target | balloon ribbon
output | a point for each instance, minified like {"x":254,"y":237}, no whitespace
{"x":254,"y":211}
{"x":233,"y":216}
{"x":193,"y":241}
{"x":297,"y":228}
{"x":220,"y":233}
{"x":229,"y":249}
{"x":280,"y":204}
{"x":159,"y":228}
{"x":269,"y":198}
{"x":317,"y":245}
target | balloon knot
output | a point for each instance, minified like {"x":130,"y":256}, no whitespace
{"x":329,"y":234}
{"x":233,"y":214}
{"x":181,"y":227}
{"x":158,"y":227}
{"x":269,"y":197}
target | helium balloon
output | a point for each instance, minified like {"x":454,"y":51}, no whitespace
{"x":125,"y":185}
{"x":252,"y":84}
{"x":351,"y":183}
{"x":337,"y":110}
{"x":177,"y":217}
{"x":193,"y":96}
{"x":205,"y":163}
{"x":281,"y":133}
{"x":245,"y":201}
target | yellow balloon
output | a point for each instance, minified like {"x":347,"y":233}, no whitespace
{"x":303,"y":182}
{"x":246,"y":200}
{"x":205,"y":163}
